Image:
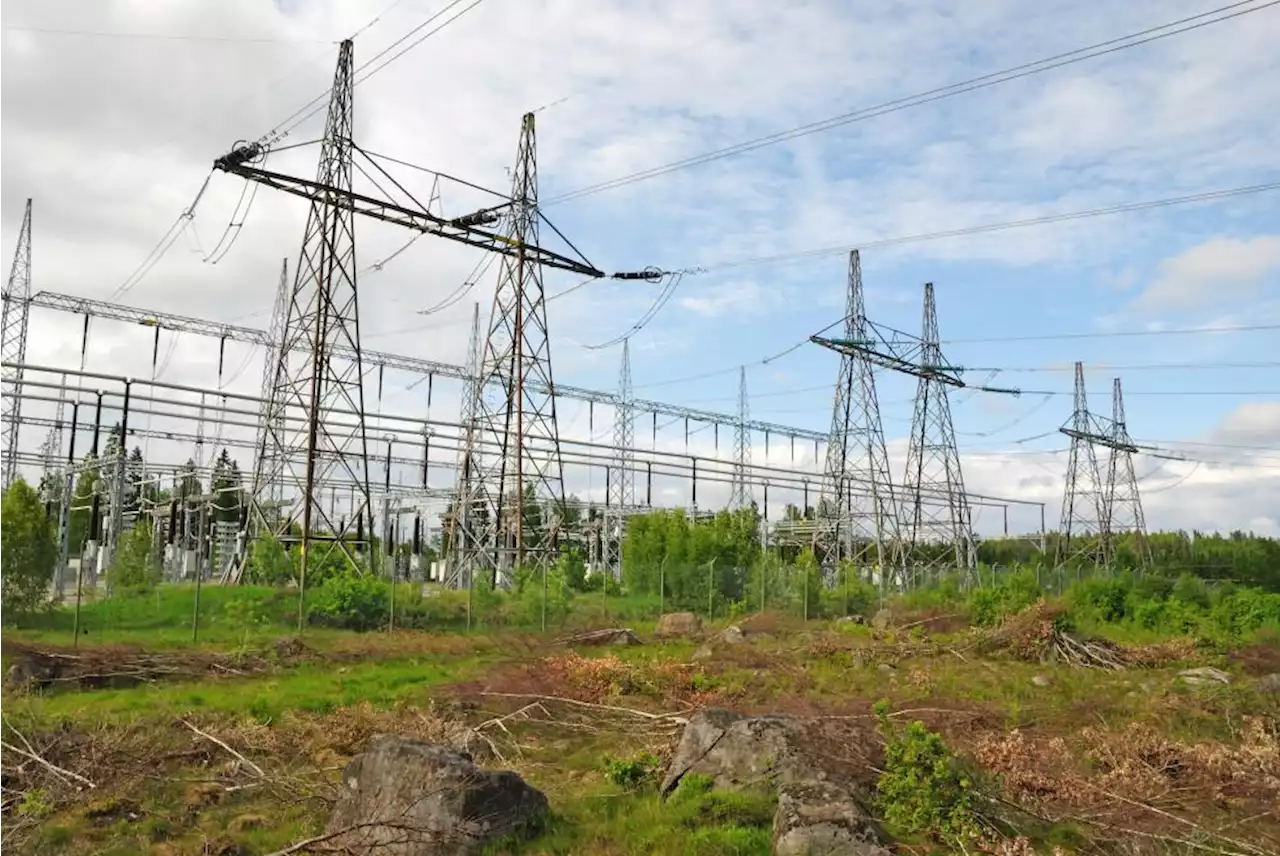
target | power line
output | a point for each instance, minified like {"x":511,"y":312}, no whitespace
{"x":1179,"y":331}
{"x":168,"y":37}
{"x":1127,"y":368}
{"x":1110,"y":46}
{"x":801,"y":255}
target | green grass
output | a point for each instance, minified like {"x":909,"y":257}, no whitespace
{"x":319,"y":688}
{"x":692,"y":822}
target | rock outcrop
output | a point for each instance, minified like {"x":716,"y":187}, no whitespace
{"x":406,"y":797}
{"x":817,"y":767}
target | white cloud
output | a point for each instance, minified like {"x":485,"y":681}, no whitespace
{"x":1221,"y":269}
{"x":742,"y":297}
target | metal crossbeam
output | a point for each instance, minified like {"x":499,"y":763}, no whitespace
{"x":237,"y":333}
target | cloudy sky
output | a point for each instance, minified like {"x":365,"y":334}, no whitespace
{"x":114,"y":111}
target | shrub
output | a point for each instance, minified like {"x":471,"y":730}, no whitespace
{"x":1017,"y":591}
{"x":923,"y":788}
{"x":351,"y":601}
{"x":1099,"y":599}
{"x":133,"y":567}
{"x":634,"y":772}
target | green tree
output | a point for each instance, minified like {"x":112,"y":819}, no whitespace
{"x":30,"y":551}
{"x":88,"y":483}
{"x":132,"y":565}
{"x":227,"y":487}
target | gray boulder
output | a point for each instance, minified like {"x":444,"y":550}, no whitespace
{"x":1270,"y":684}
{"x":727,"y":638}
{"x":823,"y":819}
{"x":882,"y":619}
{"x":679,"y":624}
{"x":819,"y":768}
{"x":406,"y":797}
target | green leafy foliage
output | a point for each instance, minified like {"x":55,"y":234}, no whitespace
{"x":30,"y":551}
{"x":924,"y":788}
{"x":133,"y":566}
{"x":351,"y":601}
{"x":635,"y":772}
{"x":987,"y":606}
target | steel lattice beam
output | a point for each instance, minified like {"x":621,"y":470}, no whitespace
{"x":13,"y":331}
{"x":417,"y":365}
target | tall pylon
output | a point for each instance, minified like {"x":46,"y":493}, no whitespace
{"x":857,"y":515}
{"x":1123,"y":504}
{"x":13,"y":329}
{"x":1083,"y":530}
{"x":622,"y":476}
{"x":518,"y":441}
{"x":936,"y":517}
{"x":462,"y":522}
{"x":322,"y":315}
{"x":740,"y":488}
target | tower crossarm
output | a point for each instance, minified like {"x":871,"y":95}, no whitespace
{"x":882,"y":353}
{"x":464,"y":230}
{"x":1101,"y":440}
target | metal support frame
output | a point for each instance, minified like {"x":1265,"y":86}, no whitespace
{"x":621,"y":489}
{"x":13,"y":331}
{"x":322,"y":316}
{"x":1123,"y":502}
{"x":517,"y":405}
{"x":740,"y":492}
{"x":861,"y":526}
{"x":937,"y":537}
{"x":1084,"y":501}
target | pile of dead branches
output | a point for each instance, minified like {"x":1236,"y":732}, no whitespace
{"x":1040,"y":633}
{"x":119,"y":666}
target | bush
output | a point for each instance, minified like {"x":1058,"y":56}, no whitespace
{"x":133,"y":567}
{"x":351,"y":601}
{"x":1017,"y":591}
{"x":1100,"y":599}
{"x":923,"y":788}
{"x":634,"y":772}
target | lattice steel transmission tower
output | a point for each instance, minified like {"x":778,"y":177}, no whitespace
{"x":467,"y":502}
{"x":268,"y":464}
{"x":740,"y":488}
{"x":1084,"y":500}
{"x":622,"y":476}
{"x":857,"y":515}
{"x":936,"y":517}
{"x":517,"y":451}
{"x":13,"y":329}
{"x":322,"y":316}
{"x":1123,"y":504}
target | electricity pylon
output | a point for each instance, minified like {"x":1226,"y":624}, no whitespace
{"x":740,"y":489}
{"x":517,"y":453}
{"x":322,"y":314}
{"x":13,"y":330}
{"x":1123,"y":504}
{"x":857,"y":516}
{"x":463,"y":517}
{"x":1084,"y":500}
{"x":622,"y":477}
{"x":517,"y":446}
{"x":936,"y":517}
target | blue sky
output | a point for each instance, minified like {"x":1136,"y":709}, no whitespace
{"x":114,"y":135}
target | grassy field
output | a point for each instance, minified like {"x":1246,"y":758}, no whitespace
{"x":1090,"y":756}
